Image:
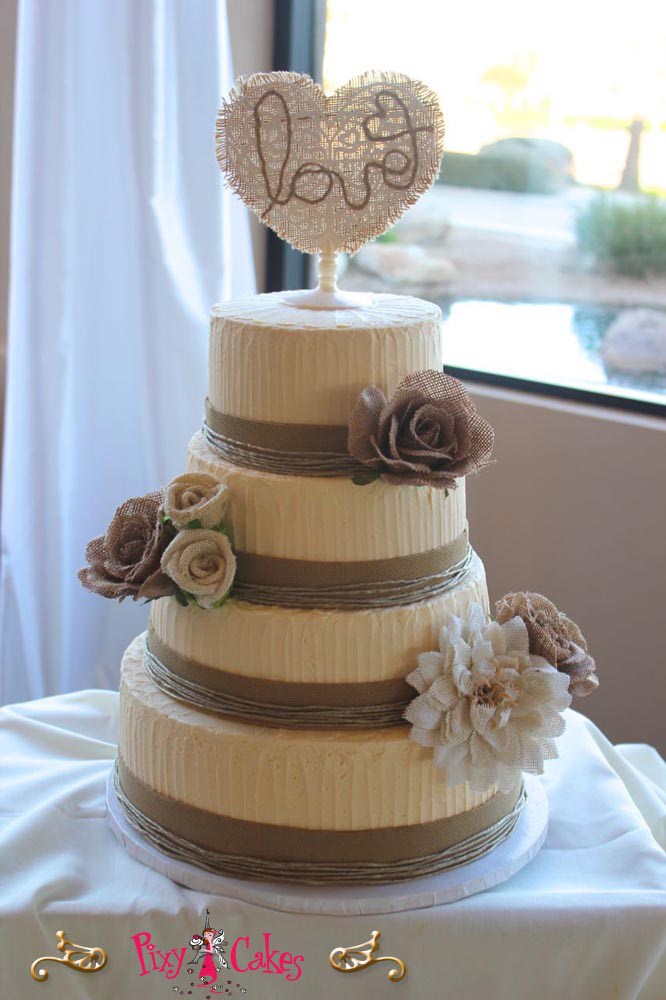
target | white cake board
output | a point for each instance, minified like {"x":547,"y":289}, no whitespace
{"x":499,"y":865}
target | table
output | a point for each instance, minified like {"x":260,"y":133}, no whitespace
{"x":585,"y":920}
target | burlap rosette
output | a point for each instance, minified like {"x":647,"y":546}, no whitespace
{"x":428,"y":433}
{"x":125,"y":561}
{"x":553,"y":636}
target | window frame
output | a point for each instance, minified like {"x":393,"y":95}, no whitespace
{"x":298,"y":46}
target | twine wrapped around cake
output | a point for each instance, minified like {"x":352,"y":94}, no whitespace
{"x":427,"y":434}
{"x":373,"y":583}
{"x":267,"y":852}
{"x":284,"y":704}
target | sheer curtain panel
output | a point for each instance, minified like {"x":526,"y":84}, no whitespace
{"x":122,"y":238}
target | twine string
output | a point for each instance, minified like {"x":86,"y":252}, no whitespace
{"x":313,"y":872}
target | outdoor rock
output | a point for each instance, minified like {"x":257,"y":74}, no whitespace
{"x":636,"y":341}
{"x":400,"y":264}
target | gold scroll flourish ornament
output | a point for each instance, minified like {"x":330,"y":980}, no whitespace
{"x":362,"y":956}
{"x":75,"y":956}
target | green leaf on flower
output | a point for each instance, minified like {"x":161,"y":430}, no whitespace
{"x":446,"y":493}
{"x":180,"y":596}
{"x":364,"y":478}
{"x":218,"y":604}
{"x":196,"y":523}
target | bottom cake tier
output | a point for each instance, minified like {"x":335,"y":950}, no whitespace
{"x":304,"y":805}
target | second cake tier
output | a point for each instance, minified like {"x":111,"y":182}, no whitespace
{"x":331,"y":520}
{"x":319,"y":522}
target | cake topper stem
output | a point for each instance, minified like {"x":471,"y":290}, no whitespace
{"x":327,"y":295}
{"x":328,"y":271}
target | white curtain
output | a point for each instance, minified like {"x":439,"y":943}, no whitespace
{"x":122,"y":238}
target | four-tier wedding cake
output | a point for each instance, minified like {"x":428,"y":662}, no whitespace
{"x":321,"y":694}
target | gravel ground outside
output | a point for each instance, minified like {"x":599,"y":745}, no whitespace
{"x":505,"y":247}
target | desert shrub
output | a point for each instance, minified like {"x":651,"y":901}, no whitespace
{"x":627,"y":236}
{"x":499,"y":173}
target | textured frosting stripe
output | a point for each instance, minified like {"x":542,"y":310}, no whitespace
{"x":300,"y":646}
{"x":331,"y":519}
{"x":222,"y":843}
{"x":326,"y":780}
{"x":276,"y":703}
{"x":271,"y":361}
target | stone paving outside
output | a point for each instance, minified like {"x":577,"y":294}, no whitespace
{"x":503,"y":246}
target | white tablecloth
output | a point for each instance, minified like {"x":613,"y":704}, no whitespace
{"x":586,"y":920}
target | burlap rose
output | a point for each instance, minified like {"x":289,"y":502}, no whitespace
{"x":195,"y":497}
{"x":428,"y":433}
{"x":201,"y":563}
{"x":125,"y":562}
{"x":553,"y":636}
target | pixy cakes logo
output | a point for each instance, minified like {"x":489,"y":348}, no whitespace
{"x":207,"y":966}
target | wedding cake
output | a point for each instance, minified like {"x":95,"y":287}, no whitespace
{"x":321,"y":694}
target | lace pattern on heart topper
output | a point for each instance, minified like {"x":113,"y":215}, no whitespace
{"x":329,"y":173}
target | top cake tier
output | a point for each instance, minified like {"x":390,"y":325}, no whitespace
{"x":275,"y":362}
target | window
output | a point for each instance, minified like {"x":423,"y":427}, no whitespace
{"x":544,"y":239}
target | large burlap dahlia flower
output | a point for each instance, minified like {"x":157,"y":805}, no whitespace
{"x":487,"y":706}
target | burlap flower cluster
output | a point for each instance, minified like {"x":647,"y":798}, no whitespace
{"x":168,"y":543}
{"x":427,"y":433}
{"x":487,"y":706}
{"x":553,"y":636}
{"x":125,"y":561}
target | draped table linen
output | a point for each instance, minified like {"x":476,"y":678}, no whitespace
{"x":586,"y":919}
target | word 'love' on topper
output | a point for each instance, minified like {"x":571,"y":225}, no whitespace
{"x":330,"y":173}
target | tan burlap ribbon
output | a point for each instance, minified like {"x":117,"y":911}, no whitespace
{"x":243,"y":849}
{"x":372,"y":583}
{"x":283,"y":449}
{"x":279,"y":703}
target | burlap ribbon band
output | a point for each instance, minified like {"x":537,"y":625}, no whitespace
{"x":245,"y":849}
{"x":284,"y":449}
{"x":303,"y":583}
{"x":278,"y":437}
{"x":285,"y":704}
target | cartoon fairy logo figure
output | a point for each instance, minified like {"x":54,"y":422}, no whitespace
{"x":209,"y":950}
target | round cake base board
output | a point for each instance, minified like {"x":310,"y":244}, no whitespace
{"x":499,"y":865}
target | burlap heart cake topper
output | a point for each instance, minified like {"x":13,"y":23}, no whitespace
{"x":329,"y":173}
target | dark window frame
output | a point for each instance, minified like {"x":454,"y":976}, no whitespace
{"x":297,"y":46}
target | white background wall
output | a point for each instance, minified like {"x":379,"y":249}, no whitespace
{"x":7,"y":49}
{"x":575,"y":508}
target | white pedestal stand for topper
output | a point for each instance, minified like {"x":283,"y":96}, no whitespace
{"x":327,"y":295}
{"x":504,"y":861}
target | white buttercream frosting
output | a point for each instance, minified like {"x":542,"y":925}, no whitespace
{"x":331,"y":519}
{"x":323,"y":779}
{"x":333,"y":647}
{"x":272,"y":361}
